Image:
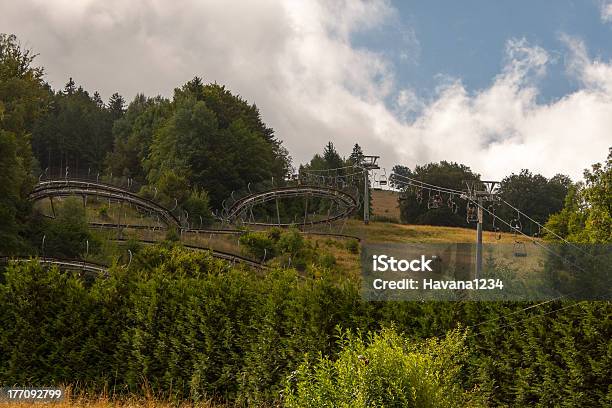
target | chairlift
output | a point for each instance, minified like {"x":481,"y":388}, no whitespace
{"x":519,"y":249}
{"x":539,"y":232}
{"x":434,"y":201}
{"x":419,"y":196}
{"x":451,"y":203}
{"x":496,"y":229}
{"x":383,"y":178}
{"x":472,"y":213}
{"x":516,"y":224}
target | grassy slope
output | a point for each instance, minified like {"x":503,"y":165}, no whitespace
{"x":385,"y":204}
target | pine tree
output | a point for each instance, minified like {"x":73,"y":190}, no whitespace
{"x":70,"y":87}
{"x":356,"y":156}
{"x":98,"y":99}
{"x":331,"y":157}
{"x":116,"y":106}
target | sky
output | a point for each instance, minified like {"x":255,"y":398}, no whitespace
{"x":497,"y":86}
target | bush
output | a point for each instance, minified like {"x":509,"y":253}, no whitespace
{"x":385,"y":371}
{"x":273,"y":242}
{"x":258,"y":245}
{"x":187,"y":324}
{"x":173,"y":235}
{"x":103,"y":212}
{"x":352,"y":246}
{"x":67,"y":235}
{"x":197,"y":205}
{"x":327,"y":260}
{"x":291,"y":242}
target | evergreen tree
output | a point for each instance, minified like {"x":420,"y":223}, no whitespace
{"x":70,"y":87}
{"x":98,"y":100}
{"x":116,"y":106}
{"x":76,"y":132}
{"x":356,"y":156}
{"x":331,"y":157}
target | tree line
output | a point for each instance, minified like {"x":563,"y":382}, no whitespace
{"x":192,"y":150}
{"x":533,"y":194}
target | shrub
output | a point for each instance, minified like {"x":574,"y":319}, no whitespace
{"x":66,"y":236}
{"x":352,"y":246}
{"x":103,"y":212}
{"x":291,"y":242}
{"x":173,"y":235}
{"x":197,"y":205}
{"x":384,"y":218}
{"x":258,"y":244}
{"x":386,"y":370}
{"x":327,"y":260}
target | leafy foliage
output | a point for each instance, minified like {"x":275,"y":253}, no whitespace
{"x":386,"y":370}
{"x":288,"y":247}
{"x":23,"y":97}
{"x":68,"y":235}
{"x":414,"y":204}
{"x":190,"y":325}
{"x":587,"y":213}
{"x":533,"y":194}
{"x":214,"y":140}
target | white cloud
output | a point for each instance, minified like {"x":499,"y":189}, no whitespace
{"x":295,"y":59}
{"x":606,"y":11}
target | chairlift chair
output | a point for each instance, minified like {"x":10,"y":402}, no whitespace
{"x":516,"y":225}
{"x":419,"y":196}
{"x":437,"y":200}
{"x":472,"y":213}
{"x":383,"y":178}
{"x":433,"y":202}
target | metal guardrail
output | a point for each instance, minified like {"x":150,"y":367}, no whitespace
{"x":233,"y":258}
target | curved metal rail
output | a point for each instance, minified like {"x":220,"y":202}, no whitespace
{"x":73,"y":264}
{"x":345,"y":201}
{"x":233,"y":258}
{"x":64,"y":188}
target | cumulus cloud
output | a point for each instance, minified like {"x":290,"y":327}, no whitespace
{"x":606,"y":11}
{"x":502,"y":128}
{"x":296,"y":61}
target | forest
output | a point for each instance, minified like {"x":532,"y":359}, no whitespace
{"x":191,"y":328}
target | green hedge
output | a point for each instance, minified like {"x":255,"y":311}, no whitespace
{"x":187,"y":324}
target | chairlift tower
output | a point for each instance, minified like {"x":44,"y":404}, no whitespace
{"x":480,"y":192}
{"x":368,"y":163}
